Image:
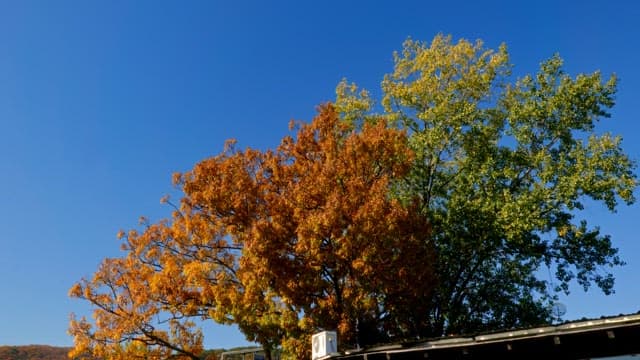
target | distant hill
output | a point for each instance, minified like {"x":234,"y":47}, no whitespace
{"x":45,"y":352}
{"x":33,"y":352}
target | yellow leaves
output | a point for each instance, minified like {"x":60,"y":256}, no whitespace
{"x":177,"y":178}
{"x":352,"y":104}
{"x":131,"y":293}
{"x":76,"y":290}
{"x":441,"y":82}
{"x":82,"y":343}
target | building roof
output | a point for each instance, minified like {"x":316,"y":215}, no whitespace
{"x":612,"y":336}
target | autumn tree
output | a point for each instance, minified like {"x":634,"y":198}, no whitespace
{"x":142,"y":309}
{"x":282,"y":243}
{"x":336,"y":245}
{"x":502,"y":169}
{"x":181,"y":270}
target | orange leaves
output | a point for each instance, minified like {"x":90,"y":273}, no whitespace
{"x":145,"y":298}
{"x":281,"y":243}
{"x":334,"y":232}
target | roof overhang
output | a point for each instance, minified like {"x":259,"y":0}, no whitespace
{"x":575,"y":340}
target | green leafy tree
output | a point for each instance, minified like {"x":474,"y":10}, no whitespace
{"x":502,"y":170}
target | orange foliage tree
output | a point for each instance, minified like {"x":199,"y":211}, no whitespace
{"x":336,"y":244}
{"x":282,"y":243}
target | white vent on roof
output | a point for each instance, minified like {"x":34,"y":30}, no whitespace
{"x":324,"y":344}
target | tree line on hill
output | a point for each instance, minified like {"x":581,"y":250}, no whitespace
{"x":46,"y":352}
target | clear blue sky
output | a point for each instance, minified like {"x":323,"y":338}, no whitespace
{"x":101,"y":101}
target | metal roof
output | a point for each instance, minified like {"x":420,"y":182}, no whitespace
{"x":611,"y":336}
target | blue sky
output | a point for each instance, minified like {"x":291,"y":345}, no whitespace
{"x":101,"y":101}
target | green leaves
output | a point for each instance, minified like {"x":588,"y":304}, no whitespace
{"x":502,"y":170}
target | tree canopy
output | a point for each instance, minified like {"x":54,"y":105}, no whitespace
{"x":281,"y":243}
{"x":502,"y":170}
{"x":436,"y":212}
